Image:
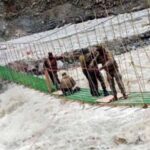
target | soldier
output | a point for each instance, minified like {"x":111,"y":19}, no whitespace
{"x":67,"y":85}
{"x":111,"y":67}
{"x":89,"y":73}
{"x":50,"y":64}
{"x":98,"y":74}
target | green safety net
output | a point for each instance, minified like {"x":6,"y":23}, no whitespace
{"x":134,"y":98}
{"x":28,"y":80}
{"x":84,"y":95}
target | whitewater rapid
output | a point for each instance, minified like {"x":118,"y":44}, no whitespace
{"x":30,"y":120}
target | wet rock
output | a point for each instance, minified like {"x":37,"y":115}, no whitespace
{"x":2,"y":8}
{"x":3,"y":27}
{"x":1,"y":86}
{"x":18,"y":66}
{"x":120,"y":140}
{"x":138,"y":140}
{"x":27,"y":66}
{"x":32,"y":24}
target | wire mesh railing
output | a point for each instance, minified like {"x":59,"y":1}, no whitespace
{"x":22,"y":61}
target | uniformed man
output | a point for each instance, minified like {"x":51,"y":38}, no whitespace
{"x":110,"y":65}
{"x":89,"y":73}
{"x":67,"y":85}
{"x":98,"y":74}
{"x":50,"y":64}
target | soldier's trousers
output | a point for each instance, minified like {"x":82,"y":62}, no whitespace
{"x":111,"y":77}
{"x":54,"y":77}
{"x":92,"y":80}
{"x":101,"y":79}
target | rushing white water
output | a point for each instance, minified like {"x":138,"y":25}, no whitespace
{"x":33,"y":120}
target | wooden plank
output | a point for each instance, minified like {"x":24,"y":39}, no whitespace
{"x":48,"y":81}
{"x":58,"y":93}
{"x":109,"y":98}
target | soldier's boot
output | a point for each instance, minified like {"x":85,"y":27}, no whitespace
{"x":105,"y":92}
{"x":125,"y":96}
{"x":115,"y":98}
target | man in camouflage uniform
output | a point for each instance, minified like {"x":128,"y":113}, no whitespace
{"x":50,"y":64}
{"x":101,"y":55}
{"x":85,"y":60}
{"x":98,"y":74}
{"x":68,"y":85}
{"x":92,"y":74}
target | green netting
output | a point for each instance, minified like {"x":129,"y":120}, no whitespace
{"x":134,"y":98}
{"x":24,"y":79}
{"x":83,"y":95}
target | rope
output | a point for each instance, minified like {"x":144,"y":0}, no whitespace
{"x":136,"y":33}
{"x":139,"y":66}
{"x":107,"y":40}
{"x":132,"y":62}
{"x":125,"y":50}
{"x":82,"y":52}
{"x":40,"y":48}
{"x":63,"y":59}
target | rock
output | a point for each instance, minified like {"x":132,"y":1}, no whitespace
{"x":24,"y":17}
{"x":145,"y":106}
{"x":3,"y":27}
{"x":1,"y":86}
{"x":119,"y":140}
{"x":2,"y":112}
{"x":2,"y":8}
{"x":27,"y":66}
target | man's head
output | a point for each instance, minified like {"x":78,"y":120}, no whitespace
{"x":64,"y":74}
{"x":84,"y":51}
{"x":100,"y":48}
{"x":50,"y":55}
{"x":92,"y":49}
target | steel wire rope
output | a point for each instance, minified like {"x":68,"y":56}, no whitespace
{"x":86,"y":34}
{"x":74,"y":60}
{"x":6,"y":61}
{"x":40,"y":60}
{"x":132,"y":62}
{"x":138,"y":53}
{"x":76,"y":68}
{"x":142,"y":43}
{"x":59,"y":29}
{"x":98,"y":44}
{"x":32,"y":47}
{"x":62,"y":29}
{"x":10,"y":60}
{"x":105,"y":49}
{"x":125,"y":50}
{"x":60,"y":47}
{"x":79,"y":44}
{"x":42,"y":49}
{"x":98,"y":31}
{"x":17,"y":48}
{"x":54,"y":78}
{"x":115,"y":38}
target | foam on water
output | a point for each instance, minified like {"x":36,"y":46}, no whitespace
{"x":38,"y":121}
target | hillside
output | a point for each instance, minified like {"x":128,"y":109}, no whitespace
{"x":22,"y":17}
